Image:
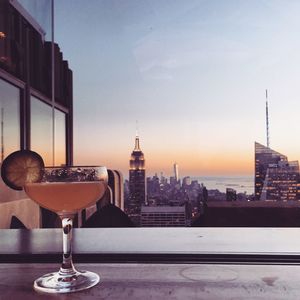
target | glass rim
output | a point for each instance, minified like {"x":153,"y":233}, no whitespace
{"x":69,"y":167}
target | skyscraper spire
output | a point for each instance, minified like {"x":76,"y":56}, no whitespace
{"x":267,"y":120}
{"x":136,"y":128}
{"x":137,"y":144}
{"x":137,"y":161}
{"x":137,"y":139}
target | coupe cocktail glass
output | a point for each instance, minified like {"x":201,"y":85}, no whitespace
{"x":65,"y":191}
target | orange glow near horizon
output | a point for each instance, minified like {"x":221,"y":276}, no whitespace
{"x":202,"y":165}
{"x":190,"y":163}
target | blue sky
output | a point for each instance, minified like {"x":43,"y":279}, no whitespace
{"x":193,"y":73}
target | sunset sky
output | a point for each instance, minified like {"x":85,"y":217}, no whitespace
{"x":193,"y":73}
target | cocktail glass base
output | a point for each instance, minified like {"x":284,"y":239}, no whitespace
{"x":58,"y":283}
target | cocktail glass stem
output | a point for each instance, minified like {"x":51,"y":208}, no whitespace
{"x":67,"y":279}
{"x":67,"y":268}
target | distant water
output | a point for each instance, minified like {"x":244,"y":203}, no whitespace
{"x":239,"y":183}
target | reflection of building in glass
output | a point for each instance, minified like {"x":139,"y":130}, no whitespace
{"x":137,"y":184}
{"x":275,"y":177}
{"x":31,"y":118}
{"x":165,"y":216}
{"x":116,"y":185}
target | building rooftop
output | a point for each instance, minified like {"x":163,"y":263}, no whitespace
{"x":163,"y":209}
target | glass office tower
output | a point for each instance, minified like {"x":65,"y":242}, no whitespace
{"x":275,"y":177}
{"x":281,"y":182}
{"x":35,"y":110}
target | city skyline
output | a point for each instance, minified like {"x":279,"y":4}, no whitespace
{"x":193,"y":74}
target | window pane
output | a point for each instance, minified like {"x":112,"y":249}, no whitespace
{"x":42,"y":130}
{"x":9,"y":118}
{"x":60,"y":138}
{"x":40,"y":10}
{"x":10,"y":132}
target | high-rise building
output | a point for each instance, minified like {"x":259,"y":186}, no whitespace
{"x":28,"y":95}
{"x":264,"y":157}
{"x":230,"y":194}
{"x":281,"y":182}
{"x":36,"y":98}
{"x":275,"y":177}
{"x":137,"y":184}
{"x":176,"y":174}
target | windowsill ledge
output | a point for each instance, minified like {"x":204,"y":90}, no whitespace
{"x":222,"y":245}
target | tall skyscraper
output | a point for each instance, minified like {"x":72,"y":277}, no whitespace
{"x":137,"y":184}
{"x":264,"y":157}
{"x":275,"y":177}
{"x":176,"y":174}
{"x":281,"y":182}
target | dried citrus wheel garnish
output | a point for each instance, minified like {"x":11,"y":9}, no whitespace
{"x":22,"y":167}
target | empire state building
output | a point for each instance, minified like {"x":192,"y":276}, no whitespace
{"x":137,"y":183}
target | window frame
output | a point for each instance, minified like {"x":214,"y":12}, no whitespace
{"x":39,"y":96}
{"x":22,"y":108}
{"x":25,"y":112}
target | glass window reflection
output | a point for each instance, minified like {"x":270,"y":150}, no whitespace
{"x":10,"y":134}
{"x":9,"y":118}
{"x":60,"y":138}
{"x":40,"y":10}
{"x":42,"y":130}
